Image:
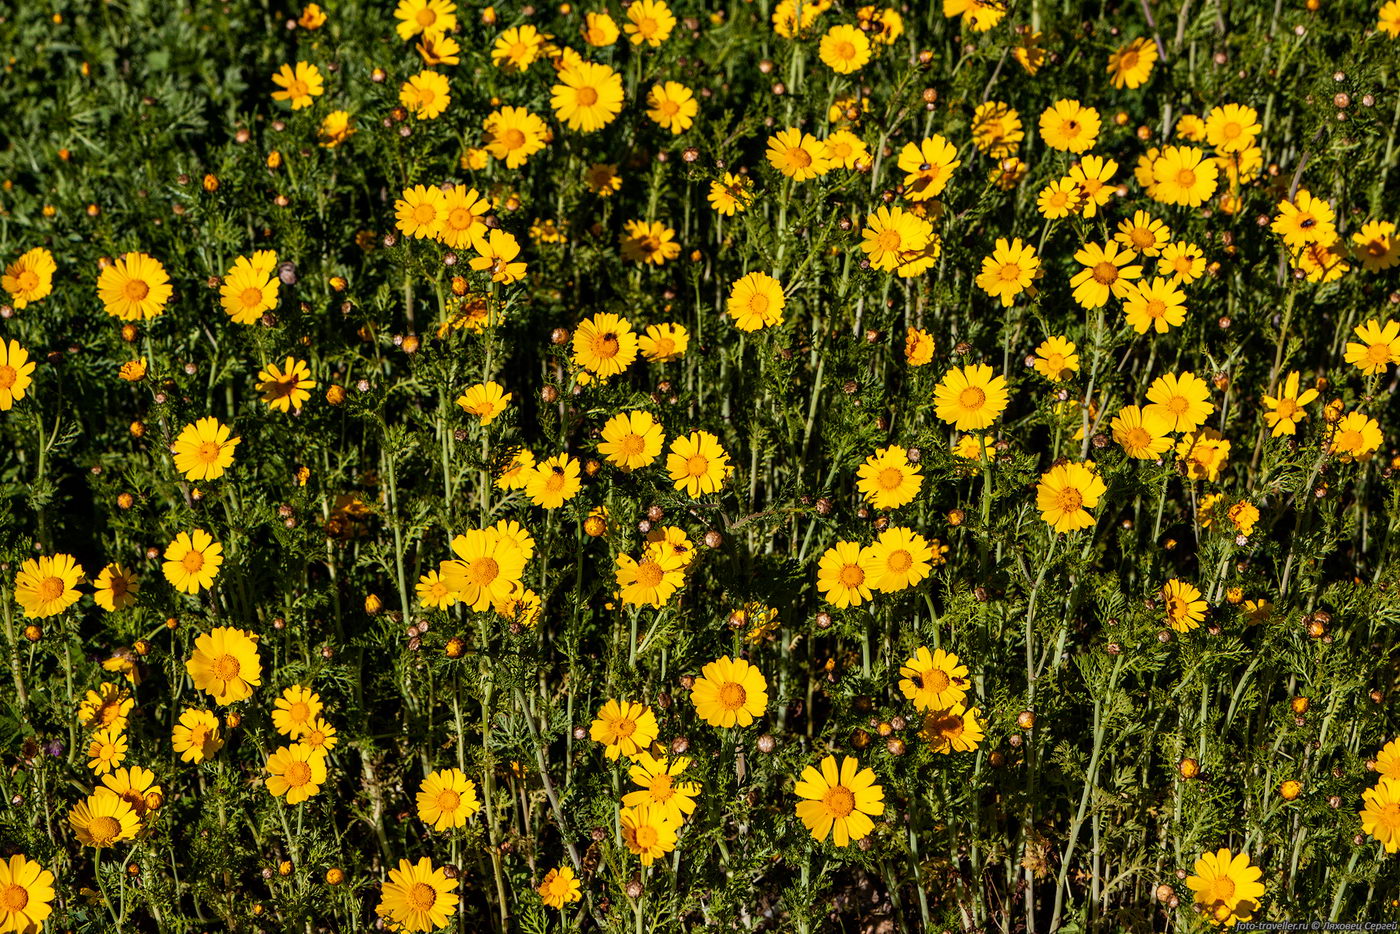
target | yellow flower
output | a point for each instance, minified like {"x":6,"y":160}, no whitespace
{"x":1232,"y":128}
{"x":672,"y":106}
{"x":312,"y":17}
{"x":1182,"y":175}
{"x":927,"y":167}
{"x":103,"y":819}
{"x":756,"y":301}
{"x":196,"y":736}
{"x":664,"y":342}
{"x":589,"y":96}
{"x":1055,"y":359}
{"x":604,"y":345}
{"x":918,"y":347}
{"x":661,"y":790}
{"x":1379,"y":346}
{"x":419,"y":16}
{"x":15,"y":370}
{"x":1156,"y":305}
{"x":418,"y":897}
{"x":844,"y":49}
{"x":517,"y":47}
{"x":446,"y":798}
{"x":952,"y":729}
{"x":1226,"y":887}
{"x":296,"y":772}
{"x":1204,"y":453}
{"x":887,"y":480}
{"x":287,"y":387}
{"x":1066,"y":493}
{"x":225,"y":664}
{"x":433,"y":591}
{"x":560,"y":886}
{"x":1183,"y":402}
{"x":1287,"y":409}
{"x":496,"y":255}
{"x":1356,"y":437}
{"x":26,"y":895}
{"x":650,"y":581}
{"x":204,"y":449}
{"x":996,"y":129}
{"x":1305,"y":220}
{"x":435,"y":48}
{"x":1131,"y":65}
{"x":299,"y":85}
{"x":895,"y":239}
{"x":846,"y":573}
{"x":602,"y":179}
{"x":485,"y":401}
{"x":933,"y":680}
{"x":599,"y":30}
{"x":426,"y":94}
{"x":488,"y":568}
{"x":462,"y":221}
{"x":731,"y":194}
{"x":1059,"y":199}
{"x":295,"y":709}
{"x":649,"y":21}
{"x":106,"y":750}
{"x":970,"y":398}
{"x":624,"y":728}
{"x":46,"y":586}
{"x":553,"y":482}
{"x":648,"y":242}
{"x":1376,"y":245}
{"x":116,"y":588}
{"x":730,"y":692}
{"x":797,"y":155}
{"x":839,"y":803}
{"x":697,"y":463}
{"x":249,"y":289}
{"x":1142,"y":433}
{"x":632,"y":440}
{"x":1184,"y":606}
{"x":1069,"y":127}
{"x":134,"y":287}
{"x":133,"y":371}
{"x":1106,"y":272}
{"x":29,"y":279}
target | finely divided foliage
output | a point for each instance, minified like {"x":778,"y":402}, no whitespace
{"x":644,"y":466}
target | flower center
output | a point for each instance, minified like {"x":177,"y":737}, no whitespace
{"x":1156,"y":308}
{"x":251,"y":297}
{"x":50,"y":588}
{"x":648,"y":27}
{"x":426,"y":17}
{"x":649,"y":573}
{"x":606,"y":346}
{"x":852,"y":576}
{"x":104,"y":830}
{"x":1137,"y":437}
{"x":460,"y":218}
{"x":1178,"y":405}
{"x":1010,"y":272}
{"x":1378,"y":353}
{"x":299,"y":712}
{"x":421,"y":896}
{"x":424,"y":213}
{"x":192,"y":561}
{"x":1071,"y":500}
{"x":554,"y":483}
{"x":482,"y":571}
{"x":1351,"y":441}
{"x":1186,"y":178}
{"x":14,"y":898}
{"x":889,"y":239}
{"x":899,"y":561}
{"x":208,"y":452}
{"x":135,"y":290}
{"x":1055,"y":363}
{"x":1389,"y":816}
{"x":972,"y":397}
{"x":225,"y":668}
{"x":8,"y":376}
{"x":448,"y":800}
{"x":839,"y":801}
{"x":697,"y":465}
{"x":935,"y":680}
{"x":1105,"y":273}
{"x":1221,"y":889}
{"x":1231,"y":130}
{"x":645,"y":837}
{"x":631,"y":445}
{"x":297,"y":89}
{"x":845,"y":51}
{"x":513,"y":138}
{"x":1287,"y":408}
{"x":298,"y":774}
{"x":624,"y":728}
{"x":758,"y":304}
{"x":891,"y":478}
{"x":1142,"y":238}
{"x":732,"y":696}
{"x":799,"y":157}
{"x":662,"y":787}
{"x":28,"y":279}
{"x":587,"y":96}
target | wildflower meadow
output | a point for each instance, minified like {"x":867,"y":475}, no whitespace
{"x":658,"y":466}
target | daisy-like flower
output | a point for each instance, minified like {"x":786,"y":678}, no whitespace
{"x":286,"y":387}
{"x":106,"y":708}
{"x":134,"y":287}
{"x":1182,"y":261}
{"x":299,"y":85}
{"x":624,"y":728}
{"x":698,"y":463}
{"x":250,"y":288}
{"x":204,"y":449}
{"x":599,"y":30}
{"x":846,"y":573}
{"x":1008,"y":173}
{"x":517,"y":47}
{"x":1380,"y":818}
{"x":1388,"y":19}
{"x":485,"y":401}
{"x":192,"y":560}
{"x":515,"y":472}
{"x":887,"y":480}
{"x":846,"y":150}
{"x":1305,"y":220}
{"x":496,"y":256}
{"x":1056,"y":360}
{"x":419,"y":213}
{"x":899,"y":559}
{"x":663,"y":343}
{"x":996,"y":129}
{"x":729,"y":692}
{"x":446,"y":798}
{"x":1012,"y":269}
{"x":1226,"y":887}
{"x":1288,"y":408}
{"x":1356,"y":437}
{"x":319,"y":735}
{"x":1058,"y":199}
{"x":1203,"y":453}
{"x":1069,"y":127}
{"x":1142,"y":434}
{"x":1066,"y":493}
{"x":1143,"y":233}
{"x":103,"y":819}
{"x":588,"y":96}
{"x":1232,"y":128}
{"x":756,"y":301}
{"x":1183,"y":402}
{"x":919,"y":346}
{"x":661,"y":787}
{"x":1182,"y":175}
{"x":106,"y":750}
{"x":797,"y":155}
{"x":1378,"y":346}
{"x":632,"y":440}
{"x":463,"y":217}
{"x":652,"y":580}
{"x":1156,"y":305}
{"x":225,"y":664}
{"x":553,"y":482}
{"x":196,"y":736}
{"x":336,"y":127}
{"x":1131,"y":65}
{"x":952,"y":729}
{"x":1183,"y":604}
{"x":1320,"y":263}
{"x":560,"y":886}
{"x":426,"y":94}
{"x":115,"y":588}
{"x":602,"y":179}
{"x":418,"y":897}
{"x":46,"y":586}
{"x":421,"y":16}
{"x":839,"y":802}
{"x":927,"y":167}
{"x":977,"y":15}
{"x":436,"y":48}
{"x":970,"y":398}
{"x":1106,"y":272}
{"x":295,"y":772}
{"x":648,"y":243}
{"x":604,"y":345}
{"x":1388,"y":760}
{"x":15,"y":370}
{"x":433,"y":591}
{"x":893,"y":237}
{"x":672,"y":106}
{"x":648,"y":832}
{"x":30,"y":278}
{"x":1376,"y":245}
{"x":731,"y":194}
{"x":844,"y":49}
{"x":933,"y":680}
{"x":649,"y":21}
{"x":26,"y":895}
{"x":1093,"y":176}
{"x":488,"y":568}
{"x":295,"y":709}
